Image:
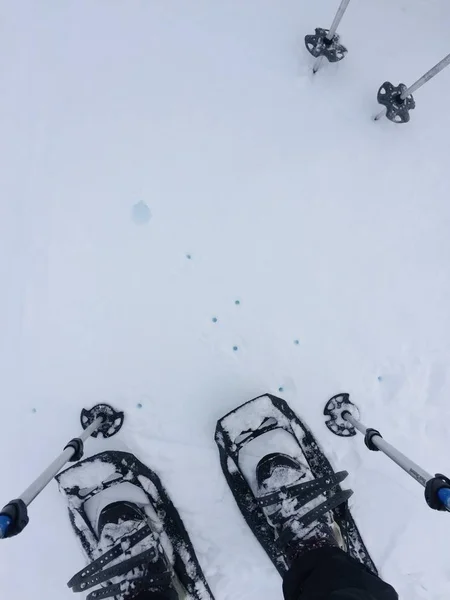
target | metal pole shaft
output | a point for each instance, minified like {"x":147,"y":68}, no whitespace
{"x":334,"y":25}
{"x":428,"y":75}
{"x":44,"y":479}
{"x":400,"y":459}
{"x":317,"y":63}
{"x":337,"y":19}
{"x":379,"y":115}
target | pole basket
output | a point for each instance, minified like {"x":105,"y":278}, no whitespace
{"x":319,"y":44}
{"x":335,"y":409}
{"x":112,"y":419}
{"x":397,"y":108}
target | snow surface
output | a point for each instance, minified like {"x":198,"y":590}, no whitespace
{"x":163,"y":160}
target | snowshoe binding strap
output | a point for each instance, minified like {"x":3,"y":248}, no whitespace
{"x":127,"y":565}
{"x":317,"y":512}
{"x":304,"y":492}
{"x":94,"y":574}
{"x":143,"y":583}
{"x":98,"y":564}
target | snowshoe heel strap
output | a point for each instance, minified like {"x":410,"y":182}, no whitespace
{"x":98,"y":564}
{"x":161,"y":580}
{"x":120,"y":569}
{"x":313,"y":515}
{"x":304,"y":492}
{"x":106,"y":592}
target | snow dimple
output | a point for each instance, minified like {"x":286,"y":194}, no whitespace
{"x":141,"y":213}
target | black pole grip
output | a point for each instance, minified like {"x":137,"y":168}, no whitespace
{"x":78,"y":449}
{"x":370,"y":433}
{"x":17,"y":511}
{"x":432,"y":488}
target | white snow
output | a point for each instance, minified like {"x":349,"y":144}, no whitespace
{"x":161,"y":160}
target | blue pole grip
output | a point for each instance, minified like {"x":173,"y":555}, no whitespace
{"x":444,"y":497}
{"x":5,"y":522}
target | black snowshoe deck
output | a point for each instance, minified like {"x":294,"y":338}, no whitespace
{"x":251,"y":420}
{"x":113,"y":468}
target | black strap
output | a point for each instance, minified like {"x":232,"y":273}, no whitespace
{"x":315,"y":514}
{"x":98,"y":564}
{"x":106,"y":592}
{"x":119,"y":569}
{"x":161,"y":580}
{"x":304,"y":492}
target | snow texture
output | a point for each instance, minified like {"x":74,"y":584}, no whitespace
{"x":161,"y":160}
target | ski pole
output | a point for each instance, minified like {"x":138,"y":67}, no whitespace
{"x":103,"y":419}
{"x":325,"y":43}
{"x":399,"y":100}
{"x":344,"y":422}
{"x":428,"y":75}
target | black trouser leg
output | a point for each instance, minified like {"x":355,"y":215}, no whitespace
{"x":169,"y":594}
{"x":330,"y":574}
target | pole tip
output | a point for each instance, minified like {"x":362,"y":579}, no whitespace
{"x":112,"y":419}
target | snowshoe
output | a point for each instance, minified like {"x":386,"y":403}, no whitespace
{"x":130,"y":531}
{"x":296,"y":500}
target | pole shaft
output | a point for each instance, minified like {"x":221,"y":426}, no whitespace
{"x":317,"y":63}
{"x":44,"y":478}
{"x":334,"y":25}
{"x":379,"y":115}
{"x":428,"y":75}
{"x":337,"y":19}
{"x":400,"y":459}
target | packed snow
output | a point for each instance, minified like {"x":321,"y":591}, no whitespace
{"x":189,"y":219}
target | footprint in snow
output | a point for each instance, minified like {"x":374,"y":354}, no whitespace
{"x":141,"y":213}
